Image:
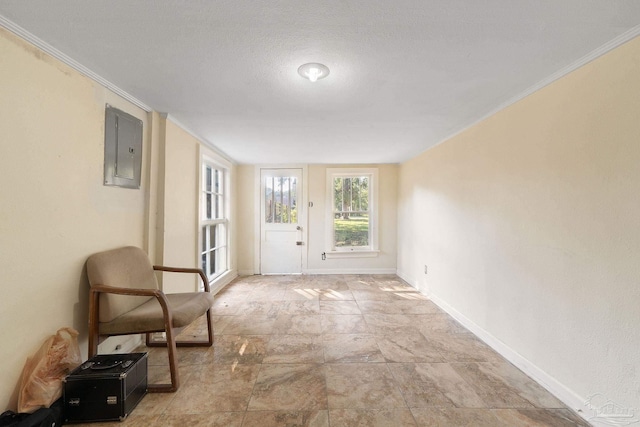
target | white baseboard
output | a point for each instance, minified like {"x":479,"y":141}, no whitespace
{"x":333,"y":271}
{"x":246,"y":272}
{"x":120,"y":344}
{"x":559,"y":390}
{"x":350,"y":271}
{"x":406,"y":277}
{"x":223,"y":281}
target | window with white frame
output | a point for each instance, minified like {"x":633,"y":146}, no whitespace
{"x":214,"y":220}
{"x":352,"y":217}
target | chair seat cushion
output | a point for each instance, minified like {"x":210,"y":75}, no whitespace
{"x":185,"y":307}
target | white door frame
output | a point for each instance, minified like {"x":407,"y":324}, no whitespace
{"x":303,"y":219}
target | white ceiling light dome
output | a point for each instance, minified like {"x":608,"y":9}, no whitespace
{"x":313,"y":71}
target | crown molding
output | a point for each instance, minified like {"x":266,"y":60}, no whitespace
{"x":595,"y":54}
{"x":47,"y":48}
{"x":55,"y":53}
{"x":204,"y":141}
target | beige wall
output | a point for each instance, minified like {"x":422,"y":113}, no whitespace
{"x":385,"y":262}
{"x":248,"y":229}
{"x":246,"y":219}
{"x":528,"y":223}
{"x":180,"y":227}
{"x":54,"y":210}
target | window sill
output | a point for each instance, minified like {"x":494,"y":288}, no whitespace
{"x":352,"y":254}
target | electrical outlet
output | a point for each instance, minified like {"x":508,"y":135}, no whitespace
{"x":425,"y":269}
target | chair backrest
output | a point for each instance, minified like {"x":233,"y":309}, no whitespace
{"x":127,"y":267}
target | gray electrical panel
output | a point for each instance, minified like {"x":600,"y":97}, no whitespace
{"x":122,"y":149}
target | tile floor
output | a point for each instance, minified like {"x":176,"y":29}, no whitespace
{"x":341,"y":350}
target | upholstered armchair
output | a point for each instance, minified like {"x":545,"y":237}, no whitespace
{"x":124,"y":299}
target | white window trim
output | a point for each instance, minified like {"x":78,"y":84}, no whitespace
{"x":222,"y":164}
{"x":372,"y":249}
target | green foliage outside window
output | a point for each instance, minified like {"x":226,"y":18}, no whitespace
{"x":351,"y":211}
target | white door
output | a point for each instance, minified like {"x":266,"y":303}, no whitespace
{"x":281,"y":228}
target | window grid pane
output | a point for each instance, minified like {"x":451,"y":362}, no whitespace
{"x":213,"y":195}
{"x":351,"y":225}
{"x":207,"y":179}
{"x":214,"y":247}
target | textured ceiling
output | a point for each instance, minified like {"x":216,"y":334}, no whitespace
{"x":405,"y":74}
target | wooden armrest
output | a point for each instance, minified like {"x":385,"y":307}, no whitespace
{"x":129,"y":291}
{"x":95,"y":290}
{"x":199,"y":271}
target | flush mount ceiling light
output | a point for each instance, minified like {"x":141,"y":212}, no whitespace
{"x":313,"y":71}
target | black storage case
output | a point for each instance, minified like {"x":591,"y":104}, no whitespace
{"x":106,"y":387}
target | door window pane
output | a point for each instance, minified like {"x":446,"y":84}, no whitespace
{"x":280,"y":200}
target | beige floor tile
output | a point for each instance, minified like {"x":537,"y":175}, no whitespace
{"x":267,"y":294}
{"x":239,"y":349}
{"x":226,"y":306}
{"x":372,"y":294}
{"x":320,"y":283}
{"x":339,"y":307}
{"x":372,"y":418}
{"x":156,"y":356}
{"x":231,"y":294}
{"x":343,"y":324}
{"x":286,"y":419}
{"x":351,"y":348}
{"x":297,"y":324}
{"x":455,"y":417}
{"x":289,"y":387}
{"x":336,"y":295}
{"x":539,"y":417}
{"x":255,"y":308}
{"x":434,"y":385}
{"x":522,"y":384}
{"x":131,"y":421}
{"x":494,"y":390}
{"x":391,"y":323}
{"x":461,"y":347}
{"x":440,"y":322}
{"x":154,"y":404}
{"x":248,"y":325}
{"x":361,"y":284}
{"x":210,"y":419}
{"x":295,"y":307}
{"x":362,"y":386}
{"x":340,"y":350}
{"x":215,"y":388}
{"x":403,"y":306}
{"x":220,"y":322}
{"x":189,"y":356}
{"x":302,"y":294}
{"x":410,"y":346}
{"x":294,"y":349}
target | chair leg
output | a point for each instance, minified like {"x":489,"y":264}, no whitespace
{"x":94,"y":334}
{"x":209,"y":329}
{"x":173,"y":367}
{"x":172,"y":345}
